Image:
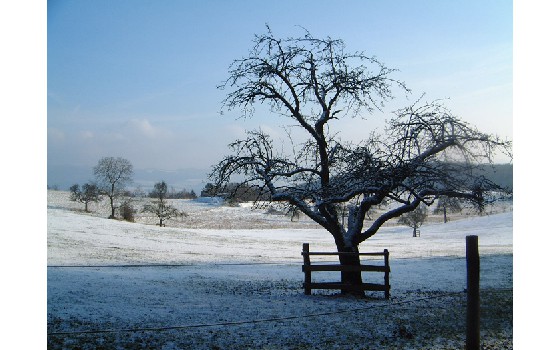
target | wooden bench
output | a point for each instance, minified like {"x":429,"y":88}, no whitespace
{"x":307,"y":268}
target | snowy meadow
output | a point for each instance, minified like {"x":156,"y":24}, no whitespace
{"x":230,"y":278}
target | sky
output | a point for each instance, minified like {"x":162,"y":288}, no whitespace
{"x":138,"y":78}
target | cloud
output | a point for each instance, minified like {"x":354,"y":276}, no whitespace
{"x":234,"y":131}
{"x":274,"y":132}
{"x":55,"y":135}
{"x":87,"y":135}
{"x":143,"y":128}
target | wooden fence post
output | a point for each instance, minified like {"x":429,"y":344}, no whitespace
{"x":306,"y":262}
{"x":387,"y":269}
{"x":473,"y":294}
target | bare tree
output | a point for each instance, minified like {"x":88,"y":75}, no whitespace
{"x":446,"y":204}
{"x":87,"y":194}
{"x":415,"y":219}
{"x":293,"y":212}
{"x":425,"y":153}
{"x":139,"y":192}
{"x":112,"y":175}
{"x":160,"y":208}
{"x":159,"y":191}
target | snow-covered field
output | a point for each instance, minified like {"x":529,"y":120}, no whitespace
{"x":230,"y":278}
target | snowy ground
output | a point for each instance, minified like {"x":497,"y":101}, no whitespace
{"x":208,"y":283}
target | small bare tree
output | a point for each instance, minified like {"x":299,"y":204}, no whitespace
{"x":112,"y":175}
{"x":87,"y":194}
{"x":415,"y":219}
{"x":447,"y":205}
{"x":426,"y":152}
{"x":293,"y":212}
{"x":160,"y":208}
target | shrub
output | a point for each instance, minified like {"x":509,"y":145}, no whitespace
{"x":127,"y":212}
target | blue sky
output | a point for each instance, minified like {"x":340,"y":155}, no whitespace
{"x":137,"y":78}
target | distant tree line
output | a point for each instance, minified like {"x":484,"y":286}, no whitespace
{"x":172,"y":194}
{"x":236,"y":192}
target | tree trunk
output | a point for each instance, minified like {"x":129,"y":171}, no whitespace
{"x":444,"y":214}
{"x":112,"y":204}
{"x":353,"y":278}
{"x":112,"y":208}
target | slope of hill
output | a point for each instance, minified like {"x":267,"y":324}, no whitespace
{"x":114,"y":284}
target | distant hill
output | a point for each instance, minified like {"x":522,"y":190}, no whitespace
{"x":63,"y":176}
{"x":501,"y":174}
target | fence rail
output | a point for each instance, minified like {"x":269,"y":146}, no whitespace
{"x":308,"y":268}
